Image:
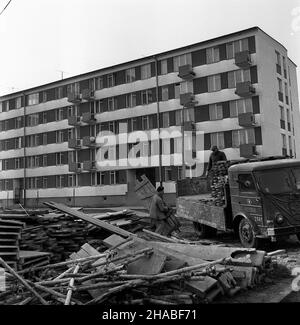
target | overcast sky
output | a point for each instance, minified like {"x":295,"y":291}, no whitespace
{"x":40,"y":37}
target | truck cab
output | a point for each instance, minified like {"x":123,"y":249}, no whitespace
{"x":261,"y":200}
{"x":265,"y":199}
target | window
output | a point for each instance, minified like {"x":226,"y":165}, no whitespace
{"x":215,"y":112}
{"x":71,"y":180}
{"x":164,"y":66}
{"x":113,"y":177}
{"x":18,"y":143}
{"x":186,"y":87}
{"x":59,"y":158}
{"x":146,"y":97}
{"x":238,"y":76}
{"x":110,"y":80}
{"x":214,"y":83}
{"x":178,"y":117}
{"x":145,"y":122}
{"x":18,"y":122}
{"x":177,"y":90}
{"x":111,"y":104}
{"x":168,"y":174}
{"x":59,"y":114}
{"x":111,"y":127}
{"x":33,"y":119}
{"x":99,"y":83}
{"x":165,"y":120}
{"x":286,"y":92}
{"x":236,"y":46}
{"x":212,"y":55}
{"x":217,"y":139}
{"x":59,"y":92}
{"x":182,"y":60}
{"x":36,"y":161}
{"x":44,"y":117}
{"x":164,"y":93}
{"x":5,"y":106}
{"x":17,"y":163}
{"x":290,"y":145}
{"x":44,"y":139}
{"x":45,"y":163}
{"x":240,"y":106}
{"x":45,"y":182}
{"x":60,"y":181}
{"x":280,"y":85}
{"x":99,"y":106}
{"x":282,"y":117}
{"x":246,"y":183}
{"x":18,"y":102}
{"x":5,"y":164}
{"x":278,"y":60}
{"x":284,"y":67}
{"x":131,"y":100}
{"x":59,"y":136}
{"x":100,"y":178}
{"x":33,"y":99}
{"x":146,"y":71}
{"x":243,"y":136}
{"x":130,"y":75}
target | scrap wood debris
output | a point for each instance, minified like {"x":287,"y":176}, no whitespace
{"x":127,"y":269}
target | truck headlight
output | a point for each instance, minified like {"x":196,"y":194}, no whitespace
{"x":279,"y":219}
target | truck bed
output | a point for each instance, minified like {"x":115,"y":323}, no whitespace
{"x":197,"y":208}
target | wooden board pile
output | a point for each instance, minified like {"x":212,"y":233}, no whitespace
{"x":132,"y":270}
{"x":219,"y":178}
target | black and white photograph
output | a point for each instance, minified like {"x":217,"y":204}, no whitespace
{"x":149,"y":156}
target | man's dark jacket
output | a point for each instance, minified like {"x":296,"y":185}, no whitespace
{"x":215,"y":157}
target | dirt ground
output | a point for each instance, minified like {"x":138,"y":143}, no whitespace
{"x":278,"y":285}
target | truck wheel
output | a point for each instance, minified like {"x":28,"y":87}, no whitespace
{"x":204,"y":231}
{"x":247,"y":234}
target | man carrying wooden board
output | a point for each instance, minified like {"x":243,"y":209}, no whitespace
{"x":162,"y":215}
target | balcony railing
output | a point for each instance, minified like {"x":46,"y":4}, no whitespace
{"x":244,"y":89}
{"x":246,"y":119}
{"x":75,"y":167}
{"x":74,"y":120}
{"x":186,"y":72}
{"x":243,"y":59}
{"x":74,"y":97}
{"x":88,"y":118}
{"x":89,"y":165}
{"x":187,"y":100}
{"x":248,"y":150}
{"x":89,"y":141}
{"x":87,"y":94}
{"x":74,"y":143}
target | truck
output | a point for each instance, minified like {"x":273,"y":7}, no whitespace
{"x":261,"y":200}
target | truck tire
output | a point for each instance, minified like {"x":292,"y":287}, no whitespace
{"x":204,"y":231}
{"x":247,"y":234}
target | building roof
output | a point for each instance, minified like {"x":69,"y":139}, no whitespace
{"x":103,"y":70}
{"x":265,"y":165}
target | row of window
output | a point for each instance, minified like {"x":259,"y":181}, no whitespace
{"x":217,"y":111}
{"x":200,"y":57}
{"x":285,"y":148}
{"x":280,"y":91}
{"x":286,"y":117}
{"x":281,"y":63}
{"x":224,"y":139}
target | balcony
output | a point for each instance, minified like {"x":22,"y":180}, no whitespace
{"x":89,"y":165}
{"x":88,"y":118}
{"x":74,"y":120}
{"x":74,"y":143}
{"x":187,"y":100}
{"x":189,"y":126}
{"x":87,"y":94}
{"x":74,"y":97}
{"x":243,"y":59}
{"x":248,"y":150}
{"x":244,"y":89}
{"x":89,"y":141}
{"x":246,"y":119}
{"x":186,"y":72}
{"x":75,"y":167}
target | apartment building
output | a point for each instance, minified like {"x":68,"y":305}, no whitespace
{"x":237,"y":91}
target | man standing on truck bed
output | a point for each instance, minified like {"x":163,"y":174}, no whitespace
{"x":214,"y":157}
{"x":160,"y":214}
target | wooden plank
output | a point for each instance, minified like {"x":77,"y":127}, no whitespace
{"x":201,"y":287}
{"x":113,"y":240}
{"x":148,"y":265}
{"x":85,"y":217}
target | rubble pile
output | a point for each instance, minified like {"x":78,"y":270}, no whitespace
{"x":127,"y":269}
